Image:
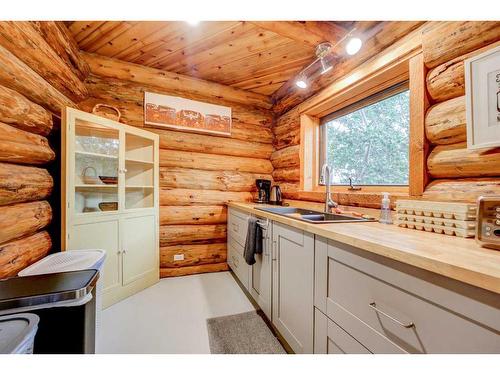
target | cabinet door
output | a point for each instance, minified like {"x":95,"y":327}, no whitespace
{"x":261,"y":274}
{"x":102,"y":233}
{"x":293,"y":279}
{"x":139,"y":247}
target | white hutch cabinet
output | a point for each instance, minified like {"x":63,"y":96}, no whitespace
{"x":110,"y":199}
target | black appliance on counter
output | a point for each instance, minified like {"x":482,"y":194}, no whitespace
{"x":264,"y":190}
{"x":64,"y":305}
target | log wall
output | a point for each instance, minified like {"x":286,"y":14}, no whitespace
{"x":455,"y":173}
{"x":41,"y":72}
{"x":199,"y":173}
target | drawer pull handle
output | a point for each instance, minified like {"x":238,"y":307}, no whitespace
{"x":373,"y":305}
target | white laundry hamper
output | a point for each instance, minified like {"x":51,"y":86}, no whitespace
{"x":74,"y":260}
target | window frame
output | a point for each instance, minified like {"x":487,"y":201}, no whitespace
{"x":400,"y":63}
{"x":379,"y":96}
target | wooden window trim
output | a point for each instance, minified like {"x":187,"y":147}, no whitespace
{"x":409,"y":67}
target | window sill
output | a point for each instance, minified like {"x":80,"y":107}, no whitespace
{"x":349,"y":198}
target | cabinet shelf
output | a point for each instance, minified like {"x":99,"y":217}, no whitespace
{"x":139,"y":187}
{"x":137,"y":161}
{"x":96,"y":155}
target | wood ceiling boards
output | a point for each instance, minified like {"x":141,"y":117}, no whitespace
{"x":263,"y":57}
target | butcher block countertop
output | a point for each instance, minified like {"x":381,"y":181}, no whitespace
{"x":457,"y":258}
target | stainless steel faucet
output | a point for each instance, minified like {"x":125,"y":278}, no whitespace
{"x":325,"y":178}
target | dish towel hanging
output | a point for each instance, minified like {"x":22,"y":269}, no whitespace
{"x":253,"y":242}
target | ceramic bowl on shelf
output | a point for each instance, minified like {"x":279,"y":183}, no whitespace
{"x":109,"y":180}
{"x":108,"y":206}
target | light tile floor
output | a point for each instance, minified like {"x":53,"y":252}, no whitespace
{"x":170,"y":317}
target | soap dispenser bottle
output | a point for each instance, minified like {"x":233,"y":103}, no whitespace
{"x":385,"y":211}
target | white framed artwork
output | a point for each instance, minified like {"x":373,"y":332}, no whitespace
{"x":173,"y":112}
{"x":482,"y":99}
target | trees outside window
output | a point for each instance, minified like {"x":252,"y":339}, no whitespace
{"x":370,"y":144}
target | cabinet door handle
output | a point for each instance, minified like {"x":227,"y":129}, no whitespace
{"x":124,"y":251}
{"x":373,"y":305}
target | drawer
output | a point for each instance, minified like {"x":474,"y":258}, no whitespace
{"x":330,"y":338}
{"x":237,"y":225}
{"x":237,"y":263}
{"x":412,"y":313}
{"x":235,"y":244}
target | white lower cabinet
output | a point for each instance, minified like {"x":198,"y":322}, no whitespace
{"x":391,"y":307}
{"x":131,"y":245}
{"x":260,"y":275}
{"x":257,"y":278}
{"x":327,"y":297}
{"x":293,"y":284}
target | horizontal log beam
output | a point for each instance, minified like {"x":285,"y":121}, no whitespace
{"x":211,"y":162}
{"x":309,"y":33}
{"x":370,"y":200}
{"x":444,"y":41}
{"x":24,"y":41}
{"x":16,"y":110}
{"x":286,"y":157}
{"x":60,"y":39}
{"x":115,"y":89}
{"x":112,"y":68}
{"x":286,"y":174}
{"x":18,"y":76}
{"x":23,"y":184}
{"x":456,"y":161}
{"x":193,"y":197}
{"x":287,"y":140}
{"x":193,"y":270}
{"x":191,"y":234}
{"x":209,"y":180}
{"x":467,"y":189}
{"x":18,"y":146}
{"x":287,"y":122}
{"x":175,"y":140}
{"x":23,"y":219}
{"x":170,"y":215}
{"x":447,"y":81}
{"x":445,"y":122}
{"x":193,"y":254}
{"x":133,"y":114}
{"x":18,"y":254}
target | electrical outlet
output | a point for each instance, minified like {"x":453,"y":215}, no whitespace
{"x":178,"y":257}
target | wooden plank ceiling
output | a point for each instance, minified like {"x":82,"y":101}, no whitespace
{"x":262,"y":57}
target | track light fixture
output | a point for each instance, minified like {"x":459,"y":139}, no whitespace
{"x":323,"y":50}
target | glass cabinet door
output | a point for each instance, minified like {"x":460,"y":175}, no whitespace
{"x":139,"y":172}
{"x":96,"y":150}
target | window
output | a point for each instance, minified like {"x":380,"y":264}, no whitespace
{"x":367,"y":141}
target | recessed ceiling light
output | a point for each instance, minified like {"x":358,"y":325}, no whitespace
{"x":193,"y":22}
{"x":353,"y":46}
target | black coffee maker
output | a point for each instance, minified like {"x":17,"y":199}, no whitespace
{"x":264,"y":190}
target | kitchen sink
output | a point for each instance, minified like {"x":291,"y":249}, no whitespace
{"x":311,"y":216}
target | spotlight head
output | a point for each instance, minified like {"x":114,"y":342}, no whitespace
{"x":353,"y":46}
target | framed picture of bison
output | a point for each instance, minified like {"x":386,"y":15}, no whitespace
{"x":173,"y":112}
